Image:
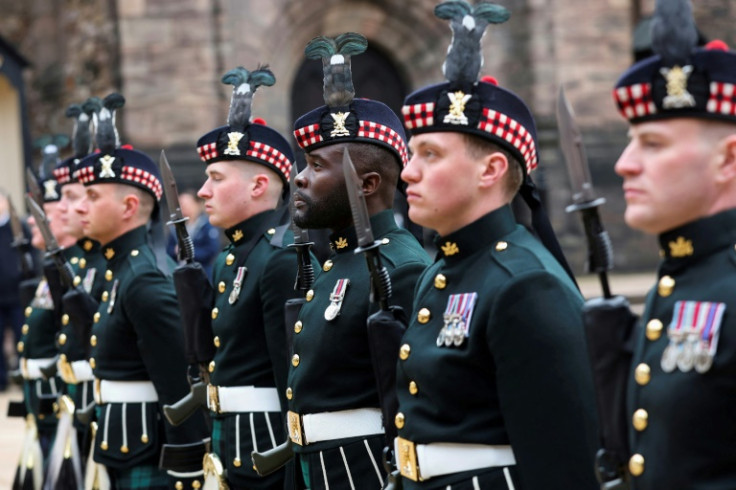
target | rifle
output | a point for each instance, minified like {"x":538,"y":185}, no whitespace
{"x":608,"y":321}
{"x":385,"y":327}
{"x":195,"y":296}
{"x":268,"y":462}
{"x":21,"y":243}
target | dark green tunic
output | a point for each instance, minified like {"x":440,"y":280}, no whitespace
{"x":683,"y":423}
{"x":521,"y":375}
{"x":250,"y":337}
{"x":137,"y":337}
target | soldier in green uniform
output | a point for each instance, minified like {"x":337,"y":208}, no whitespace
{"x":136,"y":344}
{"x":37,"y":347}
{"x":679,"y":182}
{"x":493,"y":381}
{"x":335,"y":421}
{"x":248,"y":168}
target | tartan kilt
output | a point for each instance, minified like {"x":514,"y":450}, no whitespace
{"x":239,"y":434}
{"x":146,"y":476}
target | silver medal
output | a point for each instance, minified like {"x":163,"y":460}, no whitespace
{"x":703,"y":359}
{"x":332,"y":311}
{"x":669,"y":358}
{"x":234,"y":294}
{"x":686,"y":357}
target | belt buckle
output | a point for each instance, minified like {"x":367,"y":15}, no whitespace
{"x":66,"y":370}
{"x":407,"y":459}
{"x":295,"y":428}
{"x":213,"y":398}
{"x":214,"y":471}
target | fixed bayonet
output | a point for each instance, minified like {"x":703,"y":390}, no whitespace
{"x":34,"y":187}
{"x":21,"y":243}
{"x":600,"y":252}
{"x":176,"y":218}
{"x":381,"y":283}
{"x":53,"y":250}
{"x":302,"y":244}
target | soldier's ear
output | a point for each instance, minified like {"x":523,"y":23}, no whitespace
{"x":493,"y":167}
{"x":727,"y":159}
{"x":259,"y":184}
{"x":131,"y":203}
{"x":371,"y":182}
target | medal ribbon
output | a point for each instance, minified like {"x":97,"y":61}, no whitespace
{"x":338,"y":292}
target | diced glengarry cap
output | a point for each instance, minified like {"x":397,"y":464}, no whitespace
{"x":243,"y":138}
{"x":50,"y":146}
{"x":344,"y":118}
{"x":465,"y":104}
{"x":680,"y":80}
{"x":113,"y":163}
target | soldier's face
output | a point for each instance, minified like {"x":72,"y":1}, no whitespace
{"x":669,"y":174}
{"x":442,"y":182}
{"x":321,"y":199}
{"x":101,"y":210}
{"x":53,"y":215}
{"x":226,"y":193}
{"x":71,"y":221}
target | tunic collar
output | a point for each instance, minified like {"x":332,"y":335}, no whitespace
{"x":476,"y":236}
{"x":125,"y":243}
{"x":346,"y":240}
{"x":690,"y":242}
{"x":248,"y":228}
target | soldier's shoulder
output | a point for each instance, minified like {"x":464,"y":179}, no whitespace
{"x":401,"y":248}
{"x":521,"y":253}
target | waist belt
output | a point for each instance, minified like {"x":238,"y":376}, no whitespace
{"x":225,"y":399}
{"x":75,"y":372}
{"x":31,"y":368}
{"x":420,"y":462}
{"x":326,"y":426}
{"x":107,"y":391}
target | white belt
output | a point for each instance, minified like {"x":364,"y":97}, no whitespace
{"x":327,"y":426}
{"x":224,"y":399}
{"x":31,"y":368}
{"x":424,"y":461}
{"x":107,"y":391}
{"x":75,"y":372}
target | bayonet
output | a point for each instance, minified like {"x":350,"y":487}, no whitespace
{"x":600,"y":252}
{"x":21,"y":243}
{"x":176,"y":218}
{"x":302,"y":244}
{"x":53,"y":250}
{"x":34,"y":188}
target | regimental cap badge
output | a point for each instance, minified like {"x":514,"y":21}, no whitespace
{"x":246,"y":138}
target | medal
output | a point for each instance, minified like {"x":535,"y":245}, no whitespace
{"x":686,"y":356}
{"x":336,"y":298}
{"x":693,"y":333}
{"x":237,"y":283}
{"x":458,"y":312}
{"x":89,"y":279}
{"x":113,"y":295}
{"x":669,"y":358}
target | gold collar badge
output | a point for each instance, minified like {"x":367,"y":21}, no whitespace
{"x":106,"y":172}
{"x":341,"y":243}
{"x":234,"y":138}
{"x":339,"y":128}
{"x":109,"y":253}
{"x":87,"y":245}
{"x":677,"y":94}
{"x":681,"y":247}
{"x":450,"y":248}
{"x":237,"y":235}
{"x":457,"y":108}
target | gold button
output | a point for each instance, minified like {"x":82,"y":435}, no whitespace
{"x":222,"y":286}
{"x":665,"y":286}
{"x":82,"y":263}
{"x":440,"y":281}
{"x":211,"y":367}
{"x":105,"y":296}
{"x":636,"y":464}
{"x":327,"y":265}
{"x":404,"y":352}
{"x":310,"y":295}
{"x":96,"y":317}
{"x":423,"y":315}
{"x":385,"y":241}
{"x":124,"y":449}
{"x":134,"y":253}
{"x":28,"y":311}
{"x":62,"y":339}
{"x":215,"y":312}
{"x":20,"y":346}
{"x":108,"y":275}
{"x":413,"y":388}
{"x":144,"y":439}
{"x":93,"y":340}
{"x":103,"y":445}
{"x":399,"y":420}
{"x":654,"y":329}
{"x":501,"y":246}
{"x":229,"y":259}
{"x":298,"y":326}
{"x":295,"y":360}
{"x":289,"y":394}
{"x":65,"y":319}
{"x":92,"y":362}
{"x":271,"y":231}
{"x":642,"y":374}
{"x":179,"y":485}
{"x":237,"y":462}
{"x":640,"y":419}
{"x":196,"y":484}
{"x":74,"y":260}
{"x":216,"y":341}
{"x":25,"y":329}
{"x":77,"y":280}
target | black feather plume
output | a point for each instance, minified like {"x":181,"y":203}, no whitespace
{"x":320,"y":47}
{"x":351,"y":43}
{"x":336,"y":63}
{"x":49,"y":144}
{"x":81,"y":136}
{"x":106,"y":133}
{"x":464,"y":57}
{"x":244,"y":85}
{"x":674,"y":34}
